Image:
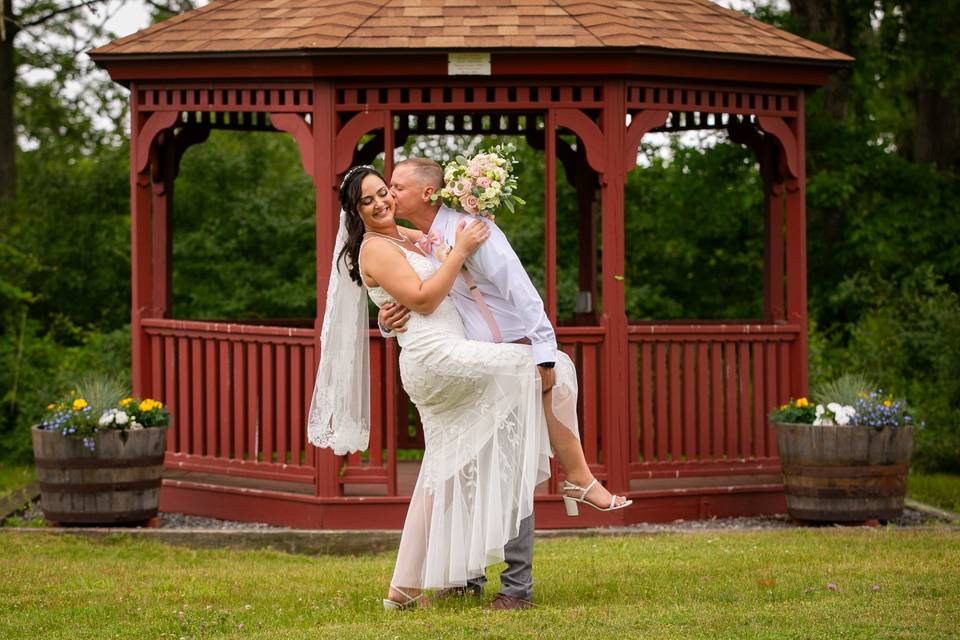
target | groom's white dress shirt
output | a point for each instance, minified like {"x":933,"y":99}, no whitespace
{"x":514,"y":302}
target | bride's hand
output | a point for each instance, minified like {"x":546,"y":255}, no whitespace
{"x":470,"y":237}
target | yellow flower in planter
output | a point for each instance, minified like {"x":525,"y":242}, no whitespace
{"x":150,"y":405}
{"x":79,"y":404}
{"x":803,"y":402}
{"x":126,"y":401}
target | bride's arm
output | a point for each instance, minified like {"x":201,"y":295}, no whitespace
{"x":388,"y":267}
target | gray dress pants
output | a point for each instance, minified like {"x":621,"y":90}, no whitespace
{"x":517,"y":579}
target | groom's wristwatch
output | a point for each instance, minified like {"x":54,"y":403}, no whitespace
{"x":547,"y":365}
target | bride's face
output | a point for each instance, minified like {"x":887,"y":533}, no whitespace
{"x":377,"y":205}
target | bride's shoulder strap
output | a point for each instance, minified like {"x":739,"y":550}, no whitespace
{"x":386,"y":241}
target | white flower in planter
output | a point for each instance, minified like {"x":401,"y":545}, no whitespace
{"x":841,"y":413}
{"x":121,"y":417}
{"x":834,"y":414}
{"x":822,"y":419}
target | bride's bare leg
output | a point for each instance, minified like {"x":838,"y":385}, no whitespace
{"x":411,"y":554}
{"x":569,"y":453}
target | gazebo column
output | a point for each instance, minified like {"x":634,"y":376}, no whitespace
{"x":615,"y":415}
{"x":797,"y":256}
{"x":327,"y":221}
{"x":149,"y":202}
{"x":789,"y":133}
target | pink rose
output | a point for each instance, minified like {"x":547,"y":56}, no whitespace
{"x":475,"y":171}
{"x":469,"y":203}
{"x":460,"y":188}
{"x":483,"y":182}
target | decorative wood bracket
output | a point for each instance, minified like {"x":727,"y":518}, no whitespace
{"x":641,"y":125}
{"x":299,"y":128}
{"x":148,"y":133}
{"x":358,"y":126}
{"x":591,"y":137}
{"x":778,"y":128}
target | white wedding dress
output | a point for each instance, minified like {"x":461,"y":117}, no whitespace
{"x":486,"y":441}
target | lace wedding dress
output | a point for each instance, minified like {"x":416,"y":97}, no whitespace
{"x":486,"y":439}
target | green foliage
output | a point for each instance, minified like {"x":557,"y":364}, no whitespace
{"x":101,"y":391}
{"x":694,"y":235}
{"x":938,"y":489}
{"x":845,"y":390}
{"x":798,"y":411}
{"x":908,"y":338}
{"x":75,"y":226}
{"x":244,"y":246}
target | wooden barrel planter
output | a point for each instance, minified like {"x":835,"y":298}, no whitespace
{"x":117,"y":483}
{"x":844,"y":473}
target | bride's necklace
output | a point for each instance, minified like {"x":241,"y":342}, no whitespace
{"x":403,"y":239}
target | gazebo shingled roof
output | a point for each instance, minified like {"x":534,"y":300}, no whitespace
{"x":302,"y":25}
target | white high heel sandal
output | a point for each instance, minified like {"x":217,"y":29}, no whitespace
{"x":570,"y":502}
{"x":409,"y":603}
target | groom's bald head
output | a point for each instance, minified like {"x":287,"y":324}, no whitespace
{"x":424,"y":171}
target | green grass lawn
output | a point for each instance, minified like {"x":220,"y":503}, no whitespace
{"x":766,"y":584}
{"x":937,"y":489}
{"x":12,"y":477}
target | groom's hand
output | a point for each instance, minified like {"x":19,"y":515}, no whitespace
{"x":393,"y":317}
{"x":547,"y":377}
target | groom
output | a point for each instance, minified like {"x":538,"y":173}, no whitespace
{"x":515,"y":312}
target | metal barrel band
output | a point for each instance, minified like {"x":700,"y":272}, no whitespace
{"x":830,"y":471}
{"x":97,"y":487}
{"x":141,"y":515}
{"x":844,"y":492}
{"x":98,"y":463}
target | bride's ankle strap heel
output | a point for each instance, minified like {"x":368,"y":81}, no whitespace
{"x":410,"y":602}
{"x":570,"y":502}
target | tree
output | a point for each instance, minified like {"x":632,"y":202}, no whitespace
{"x":45,"y":38}
{"x":921,"y":37}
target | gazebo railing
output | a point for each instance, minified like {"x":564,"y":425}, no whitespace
{"x":700,"y":395}
{"x":238,"y":394}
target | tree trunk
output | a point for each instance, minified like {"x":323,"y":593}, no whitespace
{"x":828,"y":21}
{"x":8,"y":133}
{"x":936,"y":128}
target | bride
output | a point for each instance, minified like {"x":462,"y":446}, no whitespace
{"x":487,"y":438}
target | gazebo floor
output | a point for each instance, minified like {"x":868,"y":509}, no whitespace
{"x":368,"y":507}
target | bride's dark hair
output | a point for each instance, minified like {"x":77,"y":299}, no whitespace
{"x":350,"y":194}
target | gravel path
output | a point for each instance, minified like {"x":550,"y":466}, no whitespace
{"x":910,"y":518}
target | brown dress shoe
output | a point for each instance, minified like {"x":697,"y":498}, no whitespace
{"x":503,"y":602}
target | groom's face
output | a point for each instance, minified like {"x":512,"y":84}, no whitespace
{"x":408,"y":191}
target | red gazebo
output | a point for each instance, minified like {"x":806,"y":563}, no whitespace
{"x":672,"y":413}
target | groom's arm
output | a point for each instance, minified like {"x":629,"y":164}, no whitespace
{"x":499,"y":263}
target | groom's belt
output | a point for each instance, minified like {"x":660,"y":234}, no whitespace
{"x":521,"y":341}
